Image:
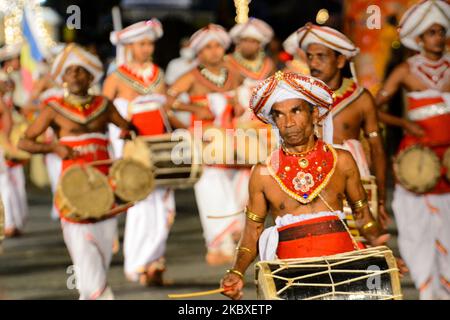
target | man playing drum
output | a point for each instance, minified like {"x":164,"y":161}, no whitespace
{"x":12,"y":180}
{"x":210,"y":87}
{"x":302,"y":183}
{"x":80,"y":122}
{"x":328,"y":52}
{"x":137,"y":89}
{"x":423,"y":218}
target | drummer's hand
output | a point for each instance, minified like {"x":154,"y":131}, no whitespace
{"x":64,"y":152}
{"x":203,"y":113}
{"x":380,"y":240}
{"x":233,"y":285}
{"x":383,"y":216}
{"x":413,"y":129}
{"x":403,"y":269}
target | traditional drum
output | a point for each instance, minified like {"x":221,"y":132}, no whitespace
{"x":131,"y":180}
{"x":417,"y":168}
{"x":84,"y":193}
{"x":370,"y":186}
{"x":446,"y":163}
{"x":369,"y":274}
{"x":174,"y":160}
{"x":246,"y":145}
{"x":11,"y":152}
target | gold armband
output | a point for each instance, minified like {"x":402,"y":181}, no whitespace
{"x":254,"y":217}
{"x":244,"y":249}
{"x":372,"y":134}
{"x":357,"y":205}
{"x":240,"y":274}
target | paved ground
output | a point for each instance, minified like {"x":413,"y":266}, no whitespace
{"x":35,"y":265}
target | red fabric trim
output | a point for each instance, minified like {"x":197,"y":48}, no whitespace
{"x":314,"y":246}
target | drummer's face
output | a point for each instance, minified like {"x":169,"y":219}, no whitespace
{"x":249,"y":47}
{"x":294,"y":119}
{"x":78,"y":79}
{"x":433,"y":39}
{"x":142,"y":50}
{"x":324,"y":62}
{"x":212,"y":53}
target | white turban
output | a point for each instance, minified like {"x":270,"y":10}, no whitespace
{"x":150,"y":29}
{"x":419,"y":18}
{"x":253,"y":28}
{"x":288,"y":85}
{"x":290,"y":45}
{"x":10,"y":51}
{"x":75,"y":55}
{"x":328,"y":37}
{"x":212,"y":32}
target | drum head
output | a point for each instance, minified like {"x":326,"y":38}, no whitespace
{"x":86,"y":191}
{"x":16,"y":134}
{"x":133,"y":181}
{"x":417,"y":168}
{"x":446,"y":163}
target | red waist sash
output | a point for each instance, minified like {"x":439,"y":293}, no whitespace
{"x":89,"y":148}
{"x":316,"y":237}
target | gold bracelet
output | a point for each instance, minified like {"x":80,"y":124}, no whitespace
{"x":372,"y":134}
{"x":175,"y":105}
{"x":240,"y":274}
{"x":359,"y":204}
{"x":172,"y":93}
{"x":244,"y":249}
{"x":369,"y":226}
{"x":254,"y":217}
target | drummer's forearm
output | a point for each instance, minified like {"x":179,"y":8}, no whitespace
{"x":247,"y":250}
{"x":32,"y":146}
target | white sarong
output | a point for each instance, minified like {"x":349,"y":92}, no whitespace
{"x":90,"y":247}
{"x":146,"y":231}
{"x":12,"y":184}
{"x":215,"y":193}
{"x":423,"y":223}
{"x":54,"y":165}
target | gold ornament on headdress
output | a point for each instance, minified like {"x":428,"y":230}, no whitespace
{"x":241,"y":10}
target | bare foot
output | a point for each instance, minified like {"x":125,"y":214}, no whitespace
{"x":12,"y":232}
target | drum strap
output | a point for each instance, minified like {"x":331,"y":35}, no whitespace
{"x":355,"y":244}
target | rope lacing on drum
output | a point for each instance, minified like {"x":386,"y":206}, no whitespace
{"x":366,"y":274}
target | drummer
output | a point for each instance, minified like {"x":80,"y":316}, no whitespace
{"x":80,"y":122}
{"x":329,"y":56}
{"x":12,"y":181}
{"x":210,"y":87}
{"x":250,"y":59}
{"x":137,"y":89}
{"x":423,"y":220}
{"x":302,"y":183}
